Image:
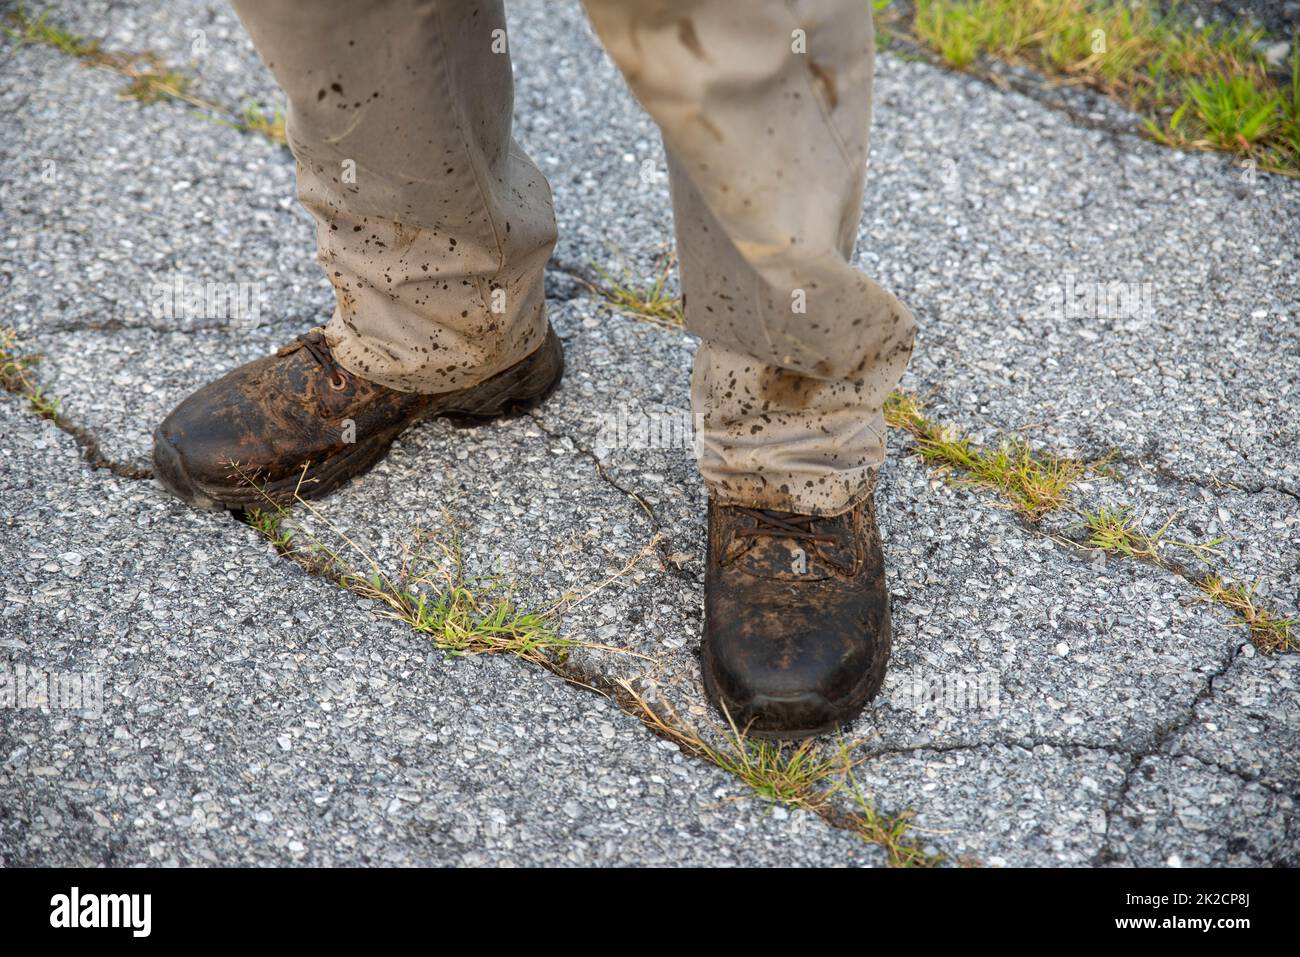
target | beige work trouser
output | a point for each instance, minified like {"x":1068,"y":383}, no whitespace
{"x":434,"y":226}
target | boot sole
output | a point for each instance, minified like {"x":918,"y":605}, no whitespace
{"x":516,"y":390}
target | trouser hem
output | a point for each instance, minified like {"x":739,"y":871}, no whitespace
{"x":830,"y":496}
{"x":349,"y":351}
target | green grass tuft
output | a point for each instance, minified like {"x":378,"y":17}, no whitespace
{"x":1034,"y":482}
{"x":253,"y":119}
{"x":460,"y":614}
{"x":16,"y":376}
{"x":150,"y":80}
{"x":1117,"y":531}
{"x":270,"y":524}
{"x":804,"y":776}
{"x":648,"y":302}
{"x":1236,"y":114}
{"x":1206,"y":87}
{"x":1270,"y":633}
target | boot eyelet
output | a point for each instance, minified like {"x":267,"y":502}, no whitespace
{"x":338,"y":382}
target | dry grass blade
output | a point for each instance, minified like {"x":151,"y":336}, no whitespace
{"x":1270,"y":633}
{"x":16,"y":377}
{"x":650,"y":303}
{"x":1034,"y":482}
{"x":801,"y":776}
{"x":433,"y":594}
{"x":150,"y":80}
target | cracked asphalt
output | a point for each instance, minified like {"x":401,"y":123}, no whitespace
{"x":252,"y":713}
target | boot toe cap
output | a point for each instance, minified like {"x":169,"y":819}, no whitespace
{"x":769,"y":694}
{"x":203,"y":443}
{"x":173,"y":471}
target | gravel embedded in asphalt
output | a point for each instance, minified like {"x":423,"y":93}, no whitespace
{"x":1114,"y":718}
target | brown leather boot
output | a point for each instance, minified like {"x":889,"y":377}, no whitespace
{"x":796,"y":618}
{"x":299,"y":423}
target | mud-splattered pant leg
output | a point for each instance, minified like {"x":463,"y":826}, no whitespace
{"x":432,"y":223}
{"x":764,"y":107}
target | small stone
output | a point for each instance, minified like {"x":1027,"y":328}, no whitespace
{"x":1276,"y":53}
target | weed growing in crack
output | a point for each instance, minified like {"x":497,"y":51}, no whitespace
{"x":463,"y":616}
{"x":650,"y":303}
{"x":891,"y":833}
{"x":254,"y":119}
{"x":15,"y":366}
{"x":26,"y":30}
{"x":803,"y":776}
{"x":1270,"y":633}
{"x":16,"y":377}
{"x":432,"y":593}
{"x":150,"y":80}
{"x":1034,"y":482}
{"x":45,"y":405}
{"x":1196,"y":87}
{"x":793,"y":774}
{"x":1117,"y":531}
{"x":270,"y":525}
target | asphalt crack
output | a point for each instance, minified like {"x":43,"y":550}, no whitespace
{"x":91,"y":452}
{"x":1145,"y":463}
{"x":663,"y":546}
{"x":588,"y":678}
{"x":1156,"y":748}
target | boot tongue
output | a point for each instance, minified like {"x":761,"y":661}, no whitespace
{"x":773,"y":553}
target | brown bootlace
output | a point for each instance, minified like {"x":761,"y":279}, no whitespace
{"x":783,"y":525}
{"x":313,"y":340}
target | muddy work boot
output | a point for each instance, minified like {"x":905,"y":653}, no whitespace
{"x":298,"y":423}
{"x":796,"y":618}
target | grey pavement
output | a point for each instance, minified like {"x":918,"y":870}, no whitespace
{"x":256,"y":714}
